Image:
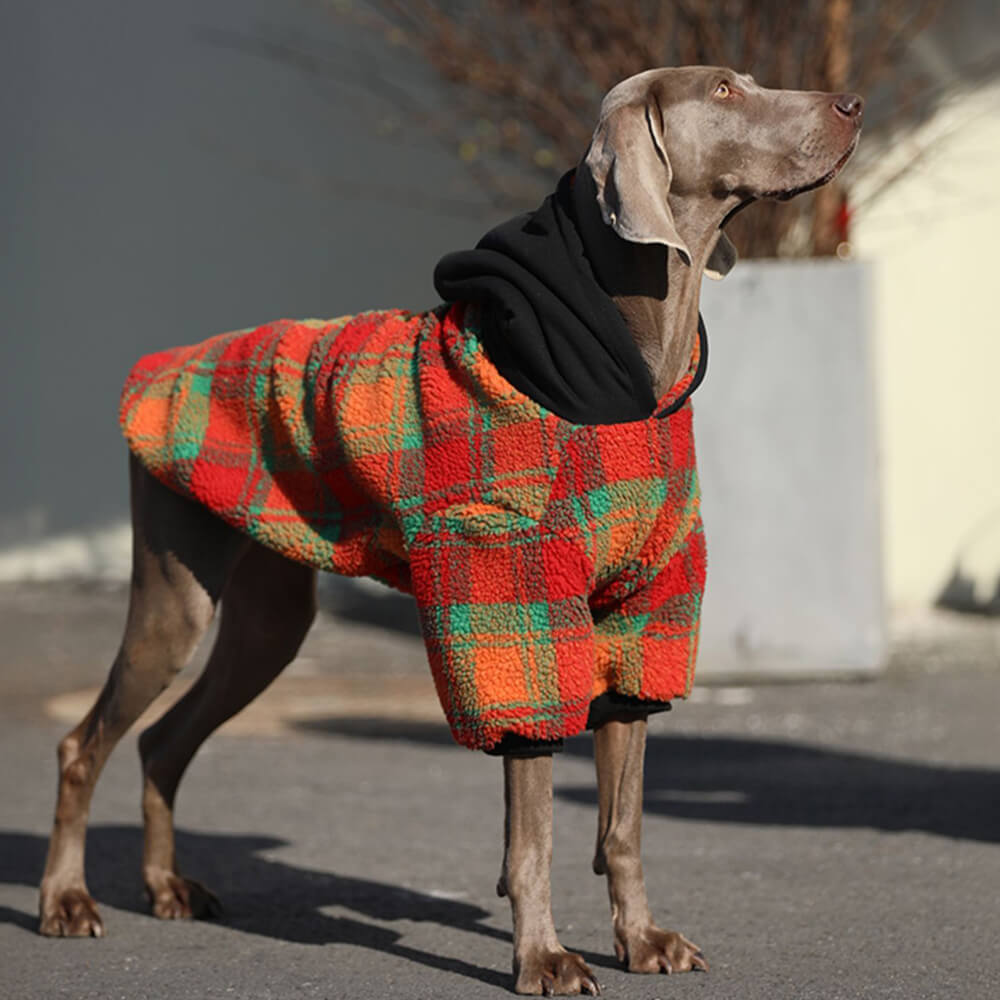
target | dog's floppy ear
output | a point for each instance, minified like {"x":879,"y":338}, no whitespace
{"x":722,"y":258}
{"x":631,"y":169}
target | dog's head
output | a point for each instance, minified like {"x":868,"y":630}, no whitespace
{"x":710,"y":136}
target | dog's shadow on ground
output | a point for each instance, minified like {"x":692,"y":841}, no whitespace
{"x":261,"y":895}
{"x":713,"y":779}
{"x":785,"y":783}
{"x":726,"y":779}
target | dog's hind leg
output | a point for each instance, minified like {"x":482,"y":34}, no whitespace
{"x":267,"y":608}
{"x":619,"y":751}
{"x":181,"y":558}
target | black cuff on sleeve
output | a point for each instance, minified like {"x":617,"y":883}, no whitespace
{"x":612,"y":705}
{"x":515,"y":745}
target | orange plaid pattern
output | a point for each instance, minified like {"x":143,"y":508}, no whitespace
{"x":551,"y":561}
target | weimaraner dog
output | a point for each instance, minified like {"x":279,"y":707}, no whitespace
{"x":675,"y":154}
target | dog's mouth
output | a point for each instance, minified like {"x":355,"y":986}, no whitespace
{"x":790,"y":193}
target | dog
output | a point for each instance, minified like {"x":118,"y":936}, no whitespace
{"x":676,"y":152}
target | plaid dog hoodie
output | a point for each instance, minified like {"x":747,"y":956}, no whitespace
{"x":551,"y":562}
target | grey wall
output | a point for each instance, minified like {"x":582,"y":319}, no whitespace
{"x":157,"y":187}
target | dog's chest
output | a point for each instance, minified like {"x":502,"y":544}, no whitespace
{"x":631,"y":491}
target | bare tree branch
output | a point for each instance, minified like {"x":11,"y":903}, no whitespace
{"x":520,"y":81}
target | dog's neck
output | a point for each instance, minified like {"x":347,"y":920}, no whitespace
{"x":657,"y":293}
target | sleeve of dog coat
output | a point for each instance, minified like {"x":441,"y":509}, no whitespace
{"x":646,"y":644}
{"x":508,"y":631}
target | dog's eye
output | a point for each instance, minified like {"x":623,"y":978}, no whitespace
{"x":723,"y":90}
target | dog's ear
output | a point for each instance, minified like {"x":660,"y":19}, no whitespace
{"x":629,"y":163}
{"x":721,"y":259}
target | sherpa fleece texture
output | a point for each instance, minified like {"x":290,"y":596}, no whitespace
{"x":551,"y":562}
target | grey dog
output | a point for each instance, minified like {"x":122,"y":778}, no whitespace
{"x":675,"y":153}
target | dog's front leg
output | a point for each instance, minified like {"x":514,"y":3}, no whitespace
{"x":541,"y":964}
{"x":619,"y":751}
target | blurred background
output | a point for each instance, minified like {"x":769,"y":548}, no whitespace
{"x":177,"y":170}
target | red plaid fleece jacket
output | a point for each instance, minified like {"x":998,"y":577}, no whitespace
{"x":551,"y":562}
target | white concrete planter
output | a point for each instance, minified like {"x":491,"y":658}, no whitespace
{"x":785,"y":427}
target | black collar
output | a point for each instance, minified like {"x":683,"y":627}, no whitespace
{"x":699,"y":373}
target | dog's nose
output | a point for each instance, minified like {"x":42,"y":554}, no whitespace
{"x":849,"y":105}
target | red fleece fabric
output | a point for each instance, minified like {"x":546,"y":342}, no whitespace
{"x":551,"y":561}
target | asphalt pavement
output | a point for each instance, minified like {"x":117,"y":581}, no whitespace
{"x":824,"y":841}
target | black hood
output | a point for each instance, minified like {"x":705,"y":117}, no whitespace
{"x":548,"y":326}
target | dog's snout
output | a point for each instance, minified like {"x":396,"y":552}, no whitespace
{"x":849,"y":105}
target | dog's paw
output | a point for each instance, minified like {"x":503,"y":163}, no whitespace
{"x":555,"y":973}
{"x":174,"y":897}
{"x":655,"y":950}
{"x":70,"y":913}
